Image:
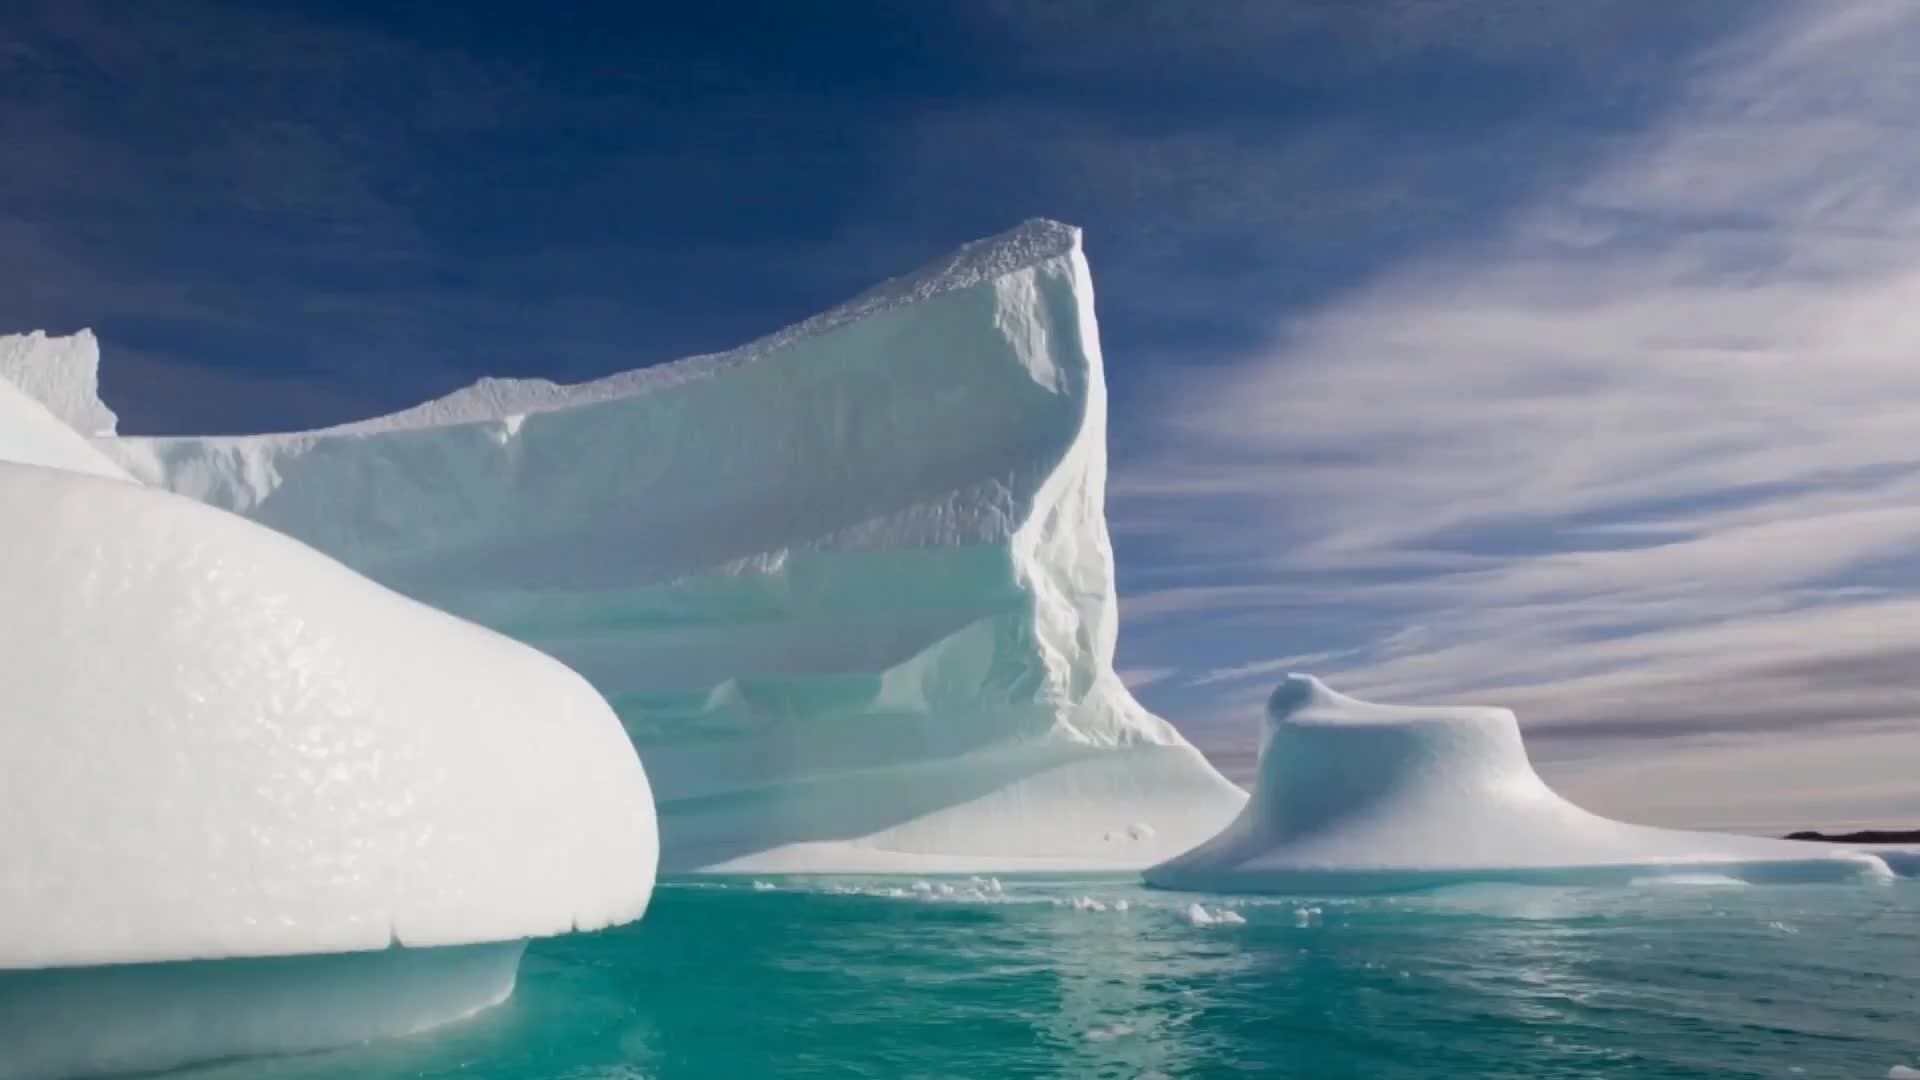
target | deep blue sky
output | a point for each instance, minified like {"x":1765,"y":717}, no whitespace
{"x":1551,"y":351}
{"x":346,"y":207}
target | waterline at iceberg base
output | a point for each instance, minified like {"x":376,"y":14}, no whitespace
{"x":1094,"y":976}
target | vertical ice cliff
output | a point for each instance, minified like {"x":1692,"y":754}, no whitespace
{"x":1353,"y":796}
{"x":848,"y":587}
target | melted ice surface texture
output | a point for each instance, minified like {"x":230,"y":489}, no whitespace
{"x":1352,"y":795}
{"x":848,"y":587}
{"x":216,"y":742}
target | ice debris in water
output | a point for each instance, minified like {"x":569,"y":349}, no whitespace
{"x":1902,"y":1072}
{"x":764,"y":886}
{"x":1198,"y":915}
{"x":1306,"y":916}
{"x":1086,"y":903}
{"x":1113,"y":1031}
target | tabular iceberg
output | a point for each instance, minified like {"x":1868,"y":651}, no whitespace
{"x":848,"y":587}
{"x":1357,"y":797}
{"x":251,"y":801}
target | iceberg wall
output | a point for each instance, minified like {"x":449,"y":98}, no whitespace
{"x":849,"y":587}
{"x":1357,"y":797}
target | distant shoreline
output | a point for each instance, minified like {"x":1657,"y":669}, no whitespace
{"x":1868,"y":836}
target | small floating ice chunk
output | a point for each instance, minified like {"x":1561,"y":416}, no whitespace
{"x":764,"y":886}
{"x":990,"y":886}
{"x":1121,"y":905}
{"x":1306,"y":916}
{"x":1109,"y":1032}
{"x":1087,"y":903}
{"x":1198,"y":915}
{"x":1902,"y":1072}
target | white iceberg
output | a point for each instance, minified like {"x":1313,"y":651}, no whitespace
{"x":62,"y":374}
{"x":1356,"y":797}
{"x":849,"y":587}
{"x":30,"y":433}
{"x":251,"y":801}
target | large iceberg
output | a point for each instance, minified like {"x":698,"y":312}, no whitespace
{"x":848,"y":587}
{"x":253,"y":801}
{"x":1357,"y":797}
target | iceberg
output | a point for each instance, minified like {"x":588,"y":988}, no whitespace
{"x":1356,"y":797}
{"x":849,"y":587}
{"x":62,"y":374}
{"x":30,"y":434}
{"x":251,"y":800}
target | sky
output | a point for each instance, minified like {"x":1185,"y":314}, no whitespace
{"x":1560,"y":356}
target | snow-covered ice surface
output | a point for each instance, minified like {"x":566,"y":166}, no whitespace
{"x":849,"y":587}
{"x":63,"y":374}
{"x":113,"y":1020}
{"x":30,"y":434}
{"x":216,"y":742}
{"x":1356,"y":797}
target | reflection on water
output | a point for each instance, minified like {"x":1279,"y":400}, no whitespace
{"x":877,"y":979}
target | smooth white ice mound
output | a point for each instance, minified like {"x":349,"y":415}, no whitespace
{"x":62,"y":374}
{"x":1357,"y":796}
{"x":848,"y":587}
{"x":216,"y":742}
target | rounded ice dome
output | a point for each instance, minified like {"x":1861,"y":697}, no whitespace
{"x":216,"y":742}
{"x":1352,"y":796}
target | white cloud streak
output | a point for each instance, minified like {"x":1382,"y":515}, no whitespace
{"x":1641,"y":459}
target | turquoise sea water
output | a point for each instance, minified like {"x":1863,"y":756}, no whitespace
{"x":1050,"y":978}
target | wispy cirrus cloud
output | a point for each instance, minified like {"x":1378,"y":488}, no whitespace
{"x":1639,"y":459}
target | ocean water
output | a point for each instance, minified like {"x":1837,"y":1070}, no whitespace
{"x":1088,"y":977}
